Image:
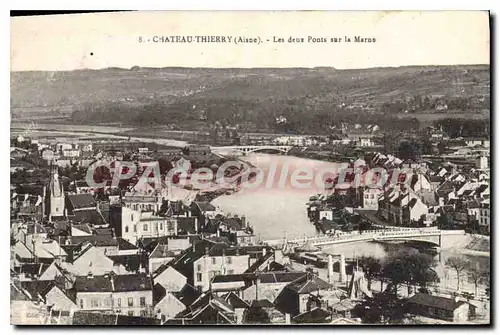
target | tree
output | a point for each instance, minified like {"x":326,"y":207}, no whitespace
{"x":478,"y":274}
{"x":410,"y":150}
{"x":372,"y":268}
{"x":459,"y":264}
{"x":410,"y":268}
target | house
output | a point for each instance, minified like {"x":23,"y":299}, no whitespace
{"x":268,"y":285}
{"x":484,"y":216}
{"x":419,"y":183}
{"x":263,"y":312}
{"x":91,"y":318}
{"x":95,"y":261}
{"x":207,"y":309}
{"x":440,"y":307}
{"x":302,"y":295}
{"x":168,"y":304}
{"x":316,"y":315}
{"x":80,"y":202}
{"x":228,"y":283}
{"x":60,"y":299}
{"x":169,"y":278}
{"x":366,"y":142}
{"x":482,"y":162}
{"x":81,"y":230}
{"x":132,"y":224}
{"x":207,"y":259}
{"x":239,"y":305}
{"x":30,"y":271}
{"x":24,"y":310}
{"x":160,"y":255}
{"x":474,"y":141}
{"x":371,"y":197}
{"x":130,"y":295}
{"x":54,"y":270}
{"x":402,"y":207}
{"x":143,"y":201}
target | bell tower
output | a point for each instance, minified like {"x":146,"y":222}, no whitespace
{"x":55,"y":196}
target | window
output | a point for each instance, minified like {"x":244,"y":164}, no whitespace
{"x":229,"y":260}
{"x":143,"y":301}
{"x":372,"y":196}
{"x":163,"y":318}
{"x":81,"y":303}
{"x":230,"y":272}
{"x":126,"y":229}
{"x":130,"y":302}
{"x":161,"y":225}
{"x":145,"y":227}
{"x":135,"y":228}
{"x":198,"y":267}
{"x":144,"y":313}
{"x":199,"y":277}
{"x":119,"y":302}
{"x":94,"y":303}
{"x":131,"y":217}
{"x":130,"y":313}
{"x":214,"y":260}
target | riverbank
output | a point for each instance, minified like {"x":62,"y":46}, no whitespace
{"x":321,"y":155}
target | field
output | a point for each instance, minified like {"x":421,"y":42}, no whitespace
{"x":166,"y":95}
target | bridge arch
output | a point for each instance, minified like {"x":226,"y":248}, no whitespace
{"x":255,"y":148}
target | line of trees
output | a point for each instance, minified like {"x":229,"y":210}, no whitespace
{"x":412,"y":268}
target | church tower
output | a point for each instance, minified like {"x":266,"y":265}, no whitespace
{"x":55,"y":196}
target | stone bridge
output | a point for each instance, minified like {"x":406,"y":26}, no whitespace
{"x":429,"y":235}
{"x":245,"y":149}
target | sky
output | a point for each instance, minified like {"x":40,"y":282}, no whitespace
{"x":94,"y":41}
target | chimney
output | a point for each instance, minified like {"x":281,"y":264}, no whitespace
{"x":112,"y":280}
{"x":90,"y":275}
{"x":257,"y":284}
{"x":206,"y":251}
{"x":244,"y":222}
{"x":264,"y":252}
{"x":457,"y":299}
{"x":288,"y":320}
{"x":194,"y":246}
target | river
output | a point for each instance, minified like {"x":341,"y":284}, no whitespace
{"x":275,"y":212}
{"x":272,"y":211}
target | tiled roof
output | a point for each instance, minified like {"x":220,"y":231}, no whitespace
{"x":83,"y":227}
{"x":316,"y":315}
{"x":187,"y":295}
{"x":435,"y":301}
{"x":234,"y":300}
{"x":228,"y":278}
{"x":122,"y":283}
{"x":308,"y":284}
{"x":280,"y":277}
{"x":262,"y":303}
{"x":84,"y":200}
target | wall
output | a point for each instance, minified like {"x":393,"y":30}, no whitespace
{"x":171,"y":280}
{"x":206,"y":266}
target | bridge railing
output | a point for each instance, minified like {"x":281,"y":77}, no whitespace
{"x":386,"y":233}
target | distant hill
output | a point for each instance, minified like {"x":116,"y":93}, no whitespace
{"x":165,"y":94}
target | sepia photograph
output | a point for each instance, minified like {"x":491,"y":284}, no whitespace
{"x":279,"y":168}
